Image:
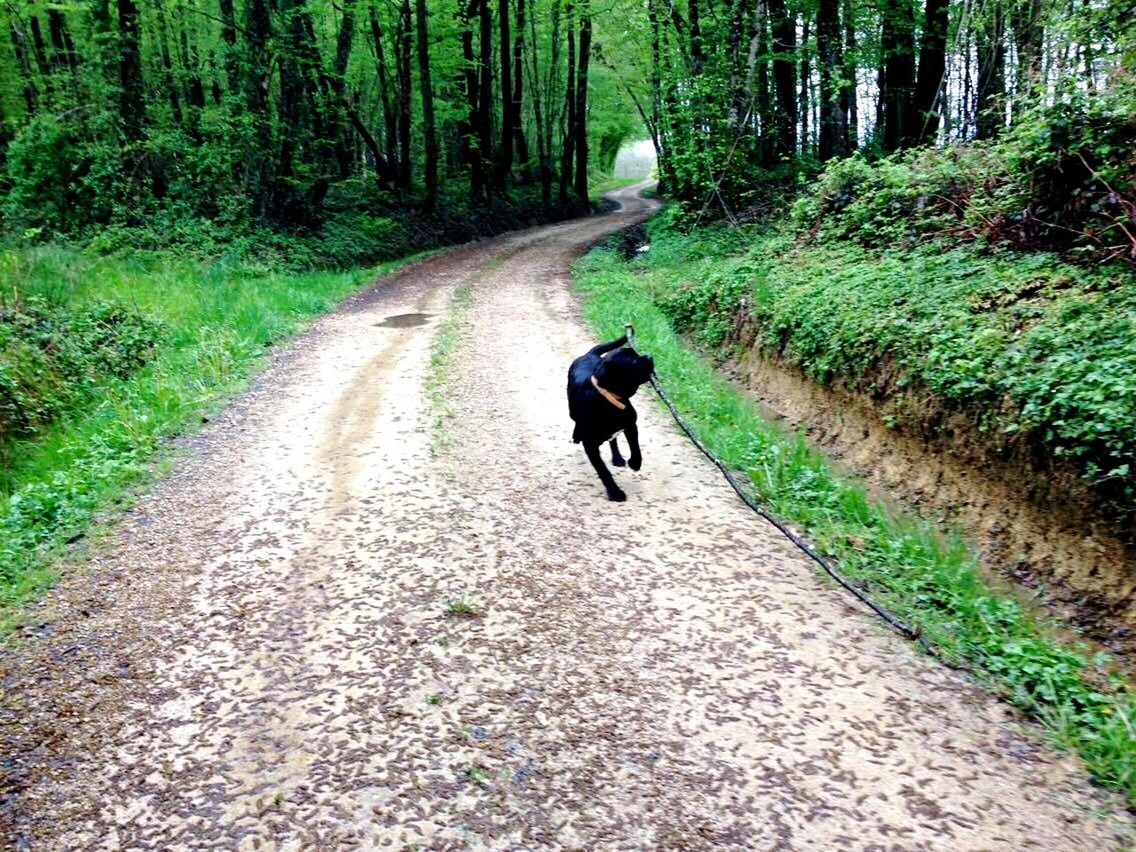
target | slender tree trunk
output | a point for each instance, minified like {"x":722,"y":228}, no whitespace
{"x":1029,"y":39}
{"x":833,"y":140}
{"x":520,"y":142}
{"x":390,"y":121}
{"x":991,"y":88}
{"x":63,"y":48}
{"x":658,"y":132}
{"x":403,"y":41}
{"x":471,"y":131}
{"x":849,"y":90}
{"x":806,"y":74}
{"x":19,"y":46}
{"x":258,"y":30}
{"x":229,"y":51}
{"x":339,"y":83}
{"x":898,"y":48}
{"x":508,"y":119}
{"x":932,"y":71}
{"x":168,"y":77}
{"x":427,"y":90}
{"x":131,"y":106}
{"x":485,"y":87}
{"x":582,"y":102}
{"x":569,"y":146}
{"x":784,"y":31}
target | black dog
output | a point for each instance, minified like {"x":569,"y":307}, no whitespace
{"x":600,"y":385}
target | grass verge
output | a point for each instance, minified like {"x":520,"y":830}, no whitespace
{"x":441,"y":359}
{"x":928,"y":579}
{"x":217,"y":323}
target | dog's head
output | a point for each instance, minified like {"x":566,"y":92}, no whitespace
{"x":624,"y":370}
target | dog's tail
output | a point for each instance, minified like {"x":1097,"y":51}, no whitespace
{"x":604,"y":348}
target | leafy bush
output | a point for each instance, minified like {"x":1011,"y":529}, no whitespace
{"x":1063,"y":179}
{"x":52,"y":358}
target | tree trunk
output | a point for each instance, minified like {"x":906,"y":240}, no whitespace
{"x":485,"y":88}
{"x":258,"y":30}
{"x":848,"y":91}
{"x":427,"y":91}
{"x":403,"y":39}
{"x":19,"y":46}
{"x":339,"y":84}
{"x":508,"y":119}
{"x":470,"y":130}
{"x":833,"y":139}
{"x":783,"y":28}
{"x":390,"y":125}
{"x":131,"y":106}
{"x":1029,"y":39}
{"x":569,"y":146}
{"x":231,"y":60}
{"x":897,"y":44}
{"x":581,"y":132}
{"x":932,"y":71}
{"x":990,"y":91}
{"x":806,"y":73}
{"x":520,"y":142}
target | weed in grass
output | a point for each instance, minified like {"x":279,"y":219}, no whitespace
{"x":929,"y":580}
{"x":463,"y":608}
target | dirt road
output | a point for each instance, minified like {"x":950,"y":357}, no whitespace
{"x":273,"y":651}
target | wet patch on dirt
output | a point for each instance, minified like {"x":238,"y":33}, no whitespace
{"x":1036,"y":537}
{"x":411,"y":320}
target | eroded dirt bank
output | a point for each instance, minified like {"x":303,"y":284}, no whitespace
{"x":270,"y":654}
{"x":1033,"y":536}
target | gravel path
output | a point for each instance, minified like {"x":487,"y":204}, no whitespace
{"x":265,"y":655}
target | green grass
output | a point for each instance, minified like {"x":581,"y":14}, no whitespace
{"x":930,"y":580}
{"x":441,"y":359}
{"x":217,"y":321}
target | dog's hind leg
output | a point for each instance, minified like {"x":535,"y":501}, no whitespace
{"x":613,"y":491}
{"x":616,"y":458}
{"x":631,"y":433}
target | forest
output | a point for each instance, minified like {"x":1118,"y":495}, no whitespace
{"x":294,"y":112}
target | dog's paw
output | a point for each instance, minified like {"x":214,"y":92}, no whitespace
{"x":616,"y":495}
{"x":635,"y":462}
{"x":617,"y":461}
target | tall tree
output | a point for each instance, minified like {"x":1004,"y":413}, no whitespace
{"x":581,"y":133}
{"x":427,"y":89}
{"x":784,"y":32}
{"x":932,"y":70}
{"x":833,"y":139}
{"x":990,"y":49}
{"x":131,"y":102}
{"x":897,"y":45}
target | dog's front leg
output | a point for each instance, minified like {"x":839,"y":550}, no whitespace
{"x":616,"y":458}
{"x":613,"y":491}
{"x":635,"y":461}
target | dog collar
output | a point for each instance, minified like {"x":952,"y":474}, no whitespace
{"x":608,"y":395}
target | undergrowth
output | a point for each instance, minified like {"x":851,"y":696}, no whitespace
{"x":929,"y":580}
{"x":129,"y":351}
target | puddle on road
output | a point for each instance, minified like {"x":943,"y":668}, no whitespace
{"x":404,"y":320}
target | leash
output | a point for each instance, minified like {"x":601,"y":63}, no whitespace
{"x":891,"y":620}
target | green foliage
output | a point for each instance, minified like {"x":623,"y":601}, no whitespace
{"x":929,"y":580}
{"x":58,"y":179}
{"x":52,"y":358}
{"x":1063,"y":179}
